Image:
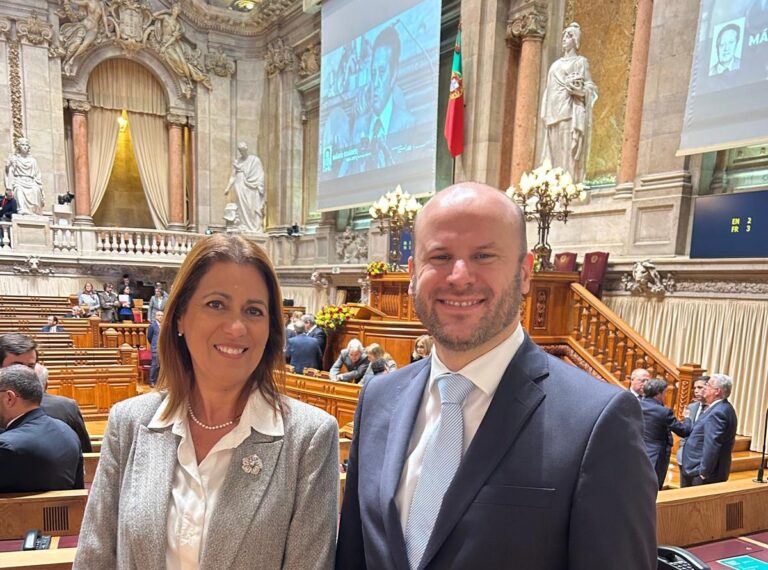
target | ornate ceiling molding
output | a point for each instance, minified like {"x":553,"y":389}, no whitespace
{"x":208,"y":17}
{"x":530,"y":21}
{"x":5,"y":27}
{"x":218,"y":63}
{"x":34,"y":31}
{"x":279,"y":58}
{"x":309,"y":61}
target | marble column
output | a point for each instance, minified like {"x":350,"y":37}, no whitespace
{"x":83,"y":214}
{"x":635,"y":94}
{"x":175,"y":172}
{"x":717,"y":186}
{"x":192,"y":177}
{"x":510,"y":99}
{"x":527,"y":27}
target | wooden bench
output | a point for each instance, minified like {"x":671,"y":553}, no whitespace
{"x":55,"y":559}
{"x":79,"y":329}
{"x":53,"y":341}
{"x":90,"y":462}
{"x":337,"y":398}
{"x":52,"y":512}
{"x":85,"y":356}
{"x":94,"y":388}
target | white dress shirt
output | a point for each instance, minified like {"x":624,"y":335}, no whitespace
{"x":196,"y":488}
{"x":485,"y":373}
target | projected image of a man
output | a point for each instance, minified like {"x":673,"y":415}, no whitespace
{"x":727,"y":45}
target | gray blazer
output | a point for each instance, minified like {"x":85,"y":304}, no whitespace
{"x":283,"y":517}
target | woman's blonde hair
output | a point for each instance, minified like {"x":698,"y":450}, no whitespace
{"x":176,"y":372}
{"x":375,"y":351}
{"x":427,"y":341}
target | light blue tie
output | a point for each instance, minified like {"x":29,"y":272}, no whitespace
{"x":441,"y":460}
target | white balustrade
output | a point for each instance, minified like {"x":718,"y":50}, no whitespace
{"x":5,"y":235}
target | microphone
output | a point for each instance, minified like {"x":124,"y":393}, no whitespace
{"x":761,"y":469}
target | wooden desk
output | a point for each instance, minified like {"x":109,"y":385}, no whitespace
{"x":58,"y":559}
{"x":53,"y":512}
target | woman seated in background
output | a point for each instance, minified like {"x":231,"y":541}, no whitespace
{"x":89,"y":301}
{"x":423,"y":347}
{"x":125,"y":312}
{"x":217,"y":469}
{"x":375,"y":352}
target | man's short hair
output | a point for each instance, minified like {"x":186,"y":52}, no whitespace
{"x":15,"y":343}
{"x":703,"y":378}
{"x":23,"y":381}
{"x":654,"y":387}
{"x":636,"y":372}
{"x":307,"y":318}
{"x":389,"y":38}
{"x":724,"y":382}
{"x":55,"y":319}
{"x":355,"y":346}
{"x":731,"y":27}
{"x":42,"y":375}
{"x":378,"y":366}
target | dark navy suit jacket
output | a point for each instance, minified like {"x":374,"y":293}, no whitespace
{"x":319,"y":334}
{"x":67,"y":410}
{"x":304,"y":352}
{"x":708,"y":449}
{"x":659,"y":421}
{"x":555,"y":478}
{"x":153,"y":335}
{"x":39,"y":453}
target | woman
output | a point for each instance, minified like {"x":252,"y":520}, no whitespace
{"x":89,"y":300}
{"x":125,"y":312}
{"x":423,"y":347}
{"x":157,"y":302}
{"x":375,"y":353}
{"x":216,"y":470}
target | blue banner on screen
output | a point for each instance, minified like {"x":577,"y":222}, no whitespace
{"x":728,"y":91}
{"x":731,"y":225}
{"x":378,"y":99}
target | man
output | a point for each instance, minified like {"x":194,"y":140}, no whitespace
{"x":707,"y":452}
{"x":53,"y":325}
{"x":37,"y":453}
{"x":354,"y":360}
{"x":108,"y":303}
{"x":549,"y":453}
{"x":727,"y":42}
{"x":153,"y":335}
{"x":658,"y":424}
{"x":637,"y":381}
{"x":75,"y":313}
{"x":8,"y":207}
{"x":64,"y":409}
{"x":695,"y":409}
{"x":303,"y":351}
{"x":314,"y":331}
{"x":17,"y":349}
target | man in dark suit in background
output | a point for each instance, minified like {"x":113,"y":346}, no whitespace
{"x":153,"y":335}
{"x":64,"y":409}
{"x":303,"y":351}
{"x":695,"y":409}
{"x":491,"y":454}
{"x":37,"y":452}
{"x":659,"y":422}
{"x":707,"y":453}
{"x":53,"y":325}
{"x":314,"y":331}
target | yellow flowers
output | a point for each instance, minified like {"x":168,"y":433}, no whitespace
{"x":376,"y":268}
{"x":332,"y":316}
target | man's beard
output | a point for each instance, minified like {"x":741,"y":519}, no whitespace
{"x":497,"y":317}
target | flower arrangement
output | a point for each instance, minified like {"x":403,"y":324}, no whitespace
{"x":376,"y":268}
{"x":395,"y":205}
{"x":332,"y":317}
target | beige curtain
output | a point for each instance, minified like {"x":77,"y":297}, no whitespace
{"x":124,"y":84}
{"x":723,"y":335}
{"x":150,"y":145}
{"x":103,"y":129}
{"x":308,"y":297}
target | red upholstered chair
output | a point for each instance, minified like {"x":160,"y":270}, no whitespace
{"x":565,"y":261}
{"x":145,"y":363}
{"x":593,"y":272}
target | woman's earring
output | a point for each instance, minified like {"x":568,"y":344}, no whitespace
{"x":181,"y":333}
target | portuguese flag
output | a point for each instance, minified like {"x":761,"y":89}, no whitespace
{"x":454,"y":117}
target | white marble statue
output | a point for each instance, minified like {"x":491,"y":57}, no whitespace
{"x":567,"y":108}
{"x":78,"y":36}
{"x":248,"y":181}
{"x":22,"y":175}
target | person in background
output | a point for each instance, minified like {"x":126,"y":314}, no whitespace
{"x":37,"y":452}
{"x":658,"y":424}
{"x":76,"y":312}
{"x":53,"y":325}
{"x":157,"y":302}
{"x":637,"y":380}
{"x":64,"y":409}
{"x":374,"y":352}
{"x":695,"y":410}
{"x":109,"y":304}
{"x":153,"y":336}
{"x":422,"y":348}
{"x":218,"y":469}
{"x":8,"y":207}
{"x":302,"y":351}
{"x":353,"y":359}
{"x":125,"y":312}
{"x":89,"y":300}
{"x":314,"y":331}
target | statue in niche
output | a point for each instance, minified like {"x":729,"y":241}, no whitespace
{"x":567,"y":108}
{"x":79,"y":35}
{"x":166,"y":35}
{"x":248,"y":181}
{"x":22,"y":175}
{"x":351,"y":247}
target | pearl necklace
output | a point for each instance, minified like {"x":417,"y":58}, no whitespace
{"x":206,"y":426}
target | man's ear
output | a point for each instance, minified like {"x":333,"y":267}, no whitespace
{"x":526,"y":271}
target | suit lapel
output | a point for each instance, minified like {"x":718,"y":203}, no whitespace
{"x":406,"y":406}
{"x":516,"y":398}
{"x":152,"y":474}
{"x":240,"y":498}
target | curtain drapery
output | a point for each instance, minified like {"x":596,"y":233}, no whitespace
{"x":102,"y":141}
{"x":723,"y":335}
{"x":123,"y":84}
{"x":308,"y":297}
{"x":150,"y":145}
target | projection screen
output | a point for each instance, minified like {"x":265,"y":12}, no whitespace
{"x":378,"y":99}
{"x":728,"y":92}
